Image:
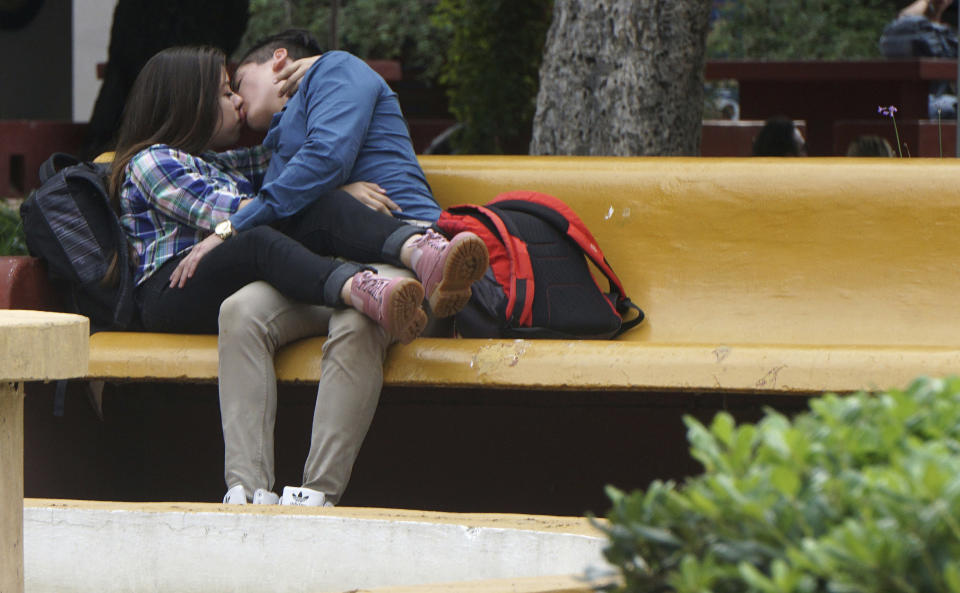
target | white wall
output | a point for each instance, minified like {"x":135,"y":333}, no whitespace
{"x":91,"y":36}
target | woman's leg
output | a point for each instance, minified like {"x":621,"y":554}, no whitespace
{"x":339,"y":225}
{"x":299,"y":274}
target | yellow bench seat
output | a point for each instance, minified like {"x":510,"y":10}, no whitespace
{"x":772,"y":275}
{"x":550,"y":364}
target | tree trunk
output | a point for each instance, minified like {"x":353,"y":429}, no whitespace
{"x":622,"y":77}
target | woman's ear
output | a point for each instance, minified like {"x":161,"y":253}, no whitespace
{"x":280,"y":58}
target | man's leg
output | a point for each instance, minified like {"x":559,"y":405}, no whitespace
{"x":347,"y":396}
{"x":253,"y":323}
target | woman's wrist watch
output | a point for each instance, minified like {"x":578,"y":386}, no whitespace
{"x":224,"y":230}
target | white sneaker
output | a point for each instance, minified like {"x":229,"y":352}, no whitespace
{"x":238,"y":495}
{"x":235,"y":495}
{"x":262,"y":496}
{"x":304,"y":497}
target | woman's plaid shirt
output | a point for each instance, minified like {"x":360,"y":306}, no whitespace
{"x":170,"y":200}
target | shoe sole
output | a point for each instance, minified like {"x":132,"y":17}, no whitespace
{"x":466,"y":263}
{"x":405,"y":312}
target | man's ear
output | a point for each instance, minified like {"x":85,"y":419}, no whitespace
{"x":280,"y":58}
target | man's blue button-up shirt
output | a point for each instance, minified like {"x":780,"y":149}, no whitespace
{"x":343,"y":125}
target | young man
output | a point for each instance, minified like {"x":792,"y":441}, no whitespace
{"x":343,"y":125}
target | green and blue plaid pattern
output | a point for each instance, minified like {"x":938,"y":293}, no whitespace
{"x":171,"y":200}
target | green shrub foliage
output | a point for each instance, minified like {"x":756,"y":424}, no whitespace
{"x":486,"y":53}
{"x":492,"y":71}
{"x":860,"y":494}
{"x":800,"y":29}
{"x":12,"y":240}
{"x":371,"y":29}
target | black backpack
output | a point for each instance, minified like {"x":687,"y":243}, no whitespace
{"x":69,"y":223}
{"x":539,"y":284}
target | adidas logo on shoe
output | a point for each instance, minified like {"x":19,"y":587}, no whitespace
{"x":304,"y":497}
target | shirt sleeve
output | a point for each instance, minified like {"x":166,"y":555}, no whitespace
{"x":251,"y":162}
{"x":172,"y":182}
{"x":339,"y":100}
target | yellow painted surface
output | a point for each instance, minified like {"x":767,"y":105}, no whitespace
{"x":766,"y":251}
{"x":555,"y":365}
{"x":755,"y":274}
{"x":179,"y":357}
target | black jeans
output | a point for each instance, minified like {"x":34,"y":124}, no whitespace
{"x":335,"y":225}
{"x":339,"y":225}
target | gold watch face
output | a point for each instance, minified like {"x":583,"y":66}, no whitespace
{"x":224,"y":229}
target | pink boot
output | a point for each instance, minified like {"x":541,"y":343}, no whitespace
{"x":448,"y":268}
{"x":394,"y":303}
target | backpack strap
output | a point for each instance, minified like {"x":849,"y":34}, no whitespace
{"x":60,"y":398}
{"x":54,"y":163}
{"x":561,"y":216}
{"x":509,"y":257}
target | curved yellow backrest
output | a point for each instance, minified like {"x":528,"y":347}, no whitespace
{"x":761,"y":251}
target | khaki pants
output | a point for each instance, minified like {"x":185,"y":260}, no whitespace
{"x":254,"y":322}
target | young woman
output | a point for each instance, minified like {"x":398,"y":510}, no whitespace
{"x":172,"y":191}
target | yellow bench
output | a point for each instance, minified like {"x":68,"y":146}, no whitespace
{"x":767,"y":275}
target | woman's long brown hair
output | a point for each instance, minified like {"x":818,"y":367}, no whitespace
{"x":174,"y":101}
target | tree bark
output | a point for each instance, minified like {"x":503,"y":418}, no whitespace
{"x":623,"y":78}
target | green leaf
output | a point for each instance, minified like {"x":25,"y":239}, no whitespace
{"x":951,"y":575}
{"x":723,"y":428}
{"x":704,"y":504}
{"x":658,"y":536}
{"x":786,"y":480}
{"x":756,"y":580}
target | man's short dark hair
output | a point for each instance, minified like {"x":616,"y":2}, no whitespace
{"x":299,"y":43}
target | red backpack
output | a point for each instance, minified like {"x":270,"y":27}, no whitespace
{"x":538,"y":285}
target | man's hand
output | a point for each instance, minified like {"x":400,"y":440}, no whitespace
{"x":373,"y":196}
{"x":188,"y":265}
{"x":291,"y":74}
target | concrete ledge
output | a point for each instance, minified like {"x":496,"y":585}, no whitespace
{"x":550,"y":584}
{"x":85,"y":546}
{"x":39,"y":345}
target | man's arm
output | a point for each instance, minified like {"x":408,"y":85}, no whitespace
{"x":340,"y":100}
{"x":932,"y":9}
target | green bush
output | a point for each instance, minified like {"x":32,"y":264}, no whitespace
{"x":799,"y":29}
{"x":12,"y":241}
{"x":860,"y":494}
{"x":373,"y":29}
{"x":486,"y":52}
{"x":492,"y":71}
